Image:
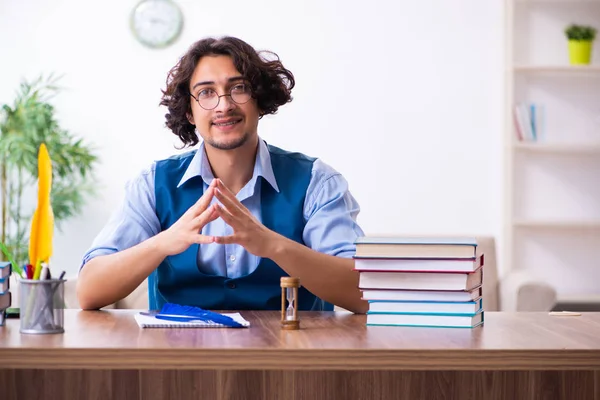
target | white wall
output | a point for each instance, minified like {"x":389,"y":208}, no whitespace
{"x":404,"y":98}
{"x":550,"y":188}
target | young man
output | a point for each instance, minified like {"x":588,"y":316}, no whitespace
{"x":218,"y":227}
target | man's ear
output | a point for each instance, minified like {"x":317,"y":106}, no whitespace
{"x":190,"y":118}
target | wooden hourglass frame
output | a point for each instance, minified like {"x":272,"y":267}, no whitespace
{"x":289,"y":303}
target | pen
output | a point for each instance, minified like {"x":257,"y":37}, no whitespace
{"x":37,"y":270}
{"x":171,"y":309}
{"x":45,"y":274}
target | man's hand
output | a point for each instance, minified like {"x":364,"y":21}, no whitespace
{"x":248,"y":232}
{"x":186,"y":231}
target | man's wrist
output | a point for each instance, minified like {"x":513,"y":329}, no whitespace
{"x":278,"y":246}
{"x":155,"y":245}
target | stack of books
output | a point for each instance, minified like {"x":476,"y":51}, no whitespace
{"x":5,"y":299}
{"x":434,"y":282}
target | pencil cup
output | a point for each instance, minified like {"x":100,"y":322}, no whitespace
{"x":42,"y":305}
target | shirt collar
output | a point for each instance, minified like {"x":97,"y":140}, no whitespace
{"x":199,"y":166}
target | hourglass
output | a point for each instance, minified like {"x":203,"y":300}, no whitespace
{"x":289,"y":295}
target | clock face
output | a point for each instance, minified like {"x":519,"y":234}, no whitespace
{"x":156,"y":23}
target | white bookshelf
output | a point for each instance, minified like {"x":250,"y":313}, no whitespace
{"x":566,"y":149}
{"x":557,"y":225}
{"x":557,"y":1}
{"x":552,"y":184}
{"x":558,"y":69}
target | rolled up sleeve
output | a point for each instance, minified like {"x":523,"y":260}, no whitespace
{"x":133,"y":222}
{"x":331,"y":213}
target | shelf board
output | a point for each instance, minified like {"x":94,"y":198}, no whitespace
{"x":559,"y":69}
{"x":558,"y":225}
{"x":559,"y":1}
{"x":559,"y":148}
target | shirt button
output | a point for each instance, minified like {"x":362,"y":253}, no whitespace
{"x":232,"y":257}
{"x":231,"y":285}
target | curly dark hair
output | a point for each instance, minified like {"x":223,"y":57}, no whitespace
{"x":271,"y":83}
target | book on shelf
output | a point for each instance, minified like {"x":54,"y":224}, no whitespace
{"x":415,"y":247}
{"x":422,"y":295}
{"x":427,"y":320}
{"x":458,"y":281}
{"x":518,"y":130}
{"x":418,"y":265}
{"x":529,"y":121}
{"x":425,"y":307}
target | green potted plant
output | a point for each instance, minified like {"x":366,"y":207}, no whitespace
{"x":24,"y":126}
{"x":581,"y":38}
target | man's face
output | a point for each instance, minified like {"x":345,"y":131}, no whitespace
{"x":229,"y":125}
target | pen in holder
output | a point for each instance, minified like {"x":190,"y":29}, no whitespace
{"x":289,"y":313}
{"x":42,"y":305}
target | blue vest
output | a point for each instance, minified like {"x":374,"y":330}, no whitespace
{"x":178,"y":279}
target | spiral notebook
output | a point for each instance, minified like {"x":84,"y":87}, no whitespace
{"x":149,"y":321}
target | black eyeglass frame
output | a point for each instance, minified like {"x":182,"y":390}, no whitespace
{"x":225,"y":94}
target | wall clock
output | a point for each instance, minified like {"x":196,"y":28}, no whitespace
{"x":156,"y":23}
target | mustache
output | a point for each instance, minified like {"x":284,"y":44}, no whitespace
{"x":226,"y":116}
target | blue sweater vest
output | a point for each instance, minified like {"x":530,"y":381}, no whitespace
{"x":178,"y":279}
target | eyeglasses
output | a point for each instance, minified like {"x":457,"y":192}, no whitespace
{"x":209,"y":99}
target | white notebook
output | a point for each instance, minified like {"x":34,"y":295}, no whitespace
{"x":145,"y":321}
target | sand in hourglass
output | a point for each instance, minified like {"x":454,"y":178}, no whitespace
{"x":289,"y":294}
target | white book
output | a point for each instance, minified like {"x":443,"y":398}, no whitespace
{"x":439,"y":265}
{"x":420,"y":280}
{"x":421,"y":295}
{"x":524,"y":120}
{"x":540,"y":126}
{"x":415,"y":247}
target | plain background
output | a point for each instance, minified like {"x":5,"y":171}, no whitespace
{"x":405,"y":99}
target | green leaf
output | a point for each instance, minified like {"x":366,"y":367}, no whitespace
{"x":24,"y":124}
{"x":580,"y":32}
{"x":15,"y":267}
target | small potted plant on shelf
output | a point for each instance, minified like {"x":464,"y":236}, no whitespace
{"x":580,"y":39}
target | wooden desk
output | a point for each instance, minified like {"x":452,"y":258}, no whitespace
{"x":103,"y":355}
